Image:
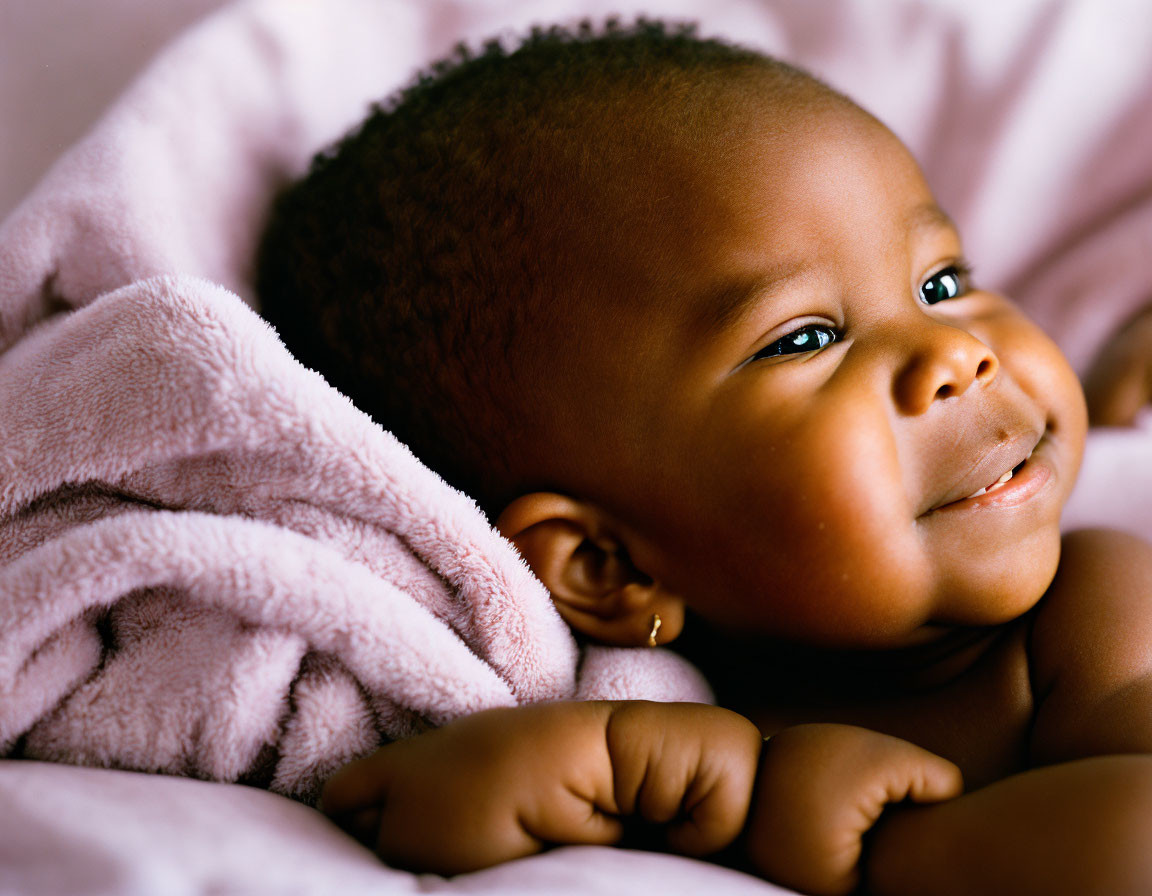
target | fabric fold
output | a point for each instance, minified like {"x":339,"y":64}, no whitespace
{"x":214,"y":565}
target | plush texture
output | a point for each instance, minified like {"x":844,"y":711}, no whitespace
{"x":212,"y":564}
{"x":195,"y":529}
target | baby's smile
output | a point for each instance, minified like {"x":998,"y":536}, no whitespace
{"x":872,"y":449}
{"x":999,"y":493}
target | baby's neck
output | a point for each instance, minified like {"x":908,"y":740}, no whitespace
{"x":965,"y":696}
{"x":741,"y":667}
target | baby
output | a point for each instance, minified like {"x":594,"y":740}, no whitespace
{"x":693,"y":330}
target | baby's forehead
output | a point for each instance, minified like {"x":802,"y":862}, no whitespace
{"x":649,"y":236}
{"x":690,"y":237}
{"x":654,"y":155}
{"x":684,"y":199}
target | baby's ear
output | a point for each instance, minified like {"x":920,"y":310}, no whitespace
{"x":582,"y":558}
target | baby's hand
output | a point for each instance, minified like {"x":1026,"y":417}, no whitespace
{"x":821,"y":788}
{"x":505,"y":783}
{"x":1120,"y":381}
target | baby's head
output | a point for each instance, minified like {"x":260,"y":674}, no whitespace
{"x":692,"y":329}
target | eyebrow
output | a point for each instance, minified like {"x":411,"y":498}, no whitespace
{"x":731,"y":303}
{"x":928,"y":216}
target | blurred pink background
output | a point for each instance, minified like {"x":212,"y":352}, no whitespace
{"x":61,"y":63}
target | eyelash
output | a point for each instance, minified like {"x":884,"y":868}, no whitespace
{"x":959,"y":271}
{"x":796,"y":342}
{"x":799,"y":341}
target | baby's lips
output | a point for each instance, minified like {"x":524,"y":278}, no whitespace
{"x":994,"y":468}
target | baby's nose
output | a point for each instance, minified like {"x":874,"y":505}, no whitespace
{"x":943,"y":362}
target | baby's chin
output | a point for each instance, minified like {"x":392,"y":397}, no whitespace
{"x":996,"y":605}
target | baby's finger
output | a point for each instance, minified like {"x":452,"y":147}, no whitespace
{"x":936,"y":780}
{"x":362,"y":824}
{"x":715,"y":822}
{"x":357,"y":785}
{"x":1116,"y":390}
{"x":574,"y":821}
{"x":1119,"y":383}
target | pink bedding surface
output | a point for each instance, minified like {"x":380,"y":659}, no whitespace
{"x":66,"y":830}
{"x":1031,"y":121}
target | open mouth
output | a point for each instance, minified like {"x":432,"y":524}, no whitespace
{"x":999,"y":482}
{"x":1029,"y":471}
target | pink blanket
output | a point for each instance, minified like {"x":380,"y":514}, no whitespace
{"x":212,"y":565}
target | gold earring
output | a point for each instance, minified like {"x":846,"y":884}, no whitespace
{"x":656,"y":623}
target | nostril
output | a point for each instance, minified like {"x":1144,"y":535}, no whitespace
{"x":945,"y":391}
{"x":984,"y":370}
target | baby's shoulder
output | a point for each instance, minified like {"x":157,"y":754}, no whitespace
{"x":1099,"y":603}
{"x":1090,"y":651}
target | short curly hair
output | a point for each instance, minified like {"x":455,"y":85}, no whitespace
{"x":413,"y":264}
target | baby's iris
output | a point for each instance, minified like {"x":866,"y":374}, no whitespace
{"x":807,"y":339}
{"x":949,"y":283}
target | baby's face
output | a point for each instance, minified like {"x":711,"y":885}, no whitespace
{"x":821,"y":430}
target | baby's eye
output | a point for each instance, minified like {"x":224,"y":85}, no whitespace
{"x":809,"y":338}
{"x":949,"y":283}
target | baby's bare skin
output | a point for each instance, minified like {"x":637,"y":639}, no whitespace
{"x":1119,"y":384}
{"x":1070,"y":762}
{"x":809,"y":434}
{"x":506,"y":783}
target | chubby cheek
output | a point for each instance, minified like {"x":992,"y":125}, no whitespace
{"x":810,"y":534}
{"x":1070,"y":419}
{"x":1038,"y":365}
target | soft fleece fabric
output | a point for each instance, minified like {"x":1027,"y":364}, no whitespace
{"x":211,"y":563}
{"x":1030,"y":118}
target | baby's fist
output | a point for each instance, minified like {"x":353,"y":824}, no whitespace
{"x":821,"y":788}
{"x":1120,"y":381}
